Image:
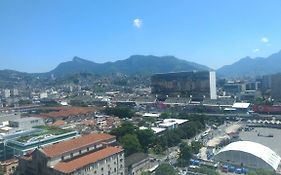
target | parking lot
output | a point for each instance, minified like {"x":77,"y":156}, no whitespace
{"x":273,"y":143}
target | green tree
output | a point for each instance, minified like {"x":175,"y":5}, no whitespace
{"x":145,"y":173}
{"x":126,"y":127}
{"x":146,"y":138}
{"x":79,"y":103}
{"x":261,"y":172}
{"x":185,"y":154}
{"x":131,"y":144}
{"x":121,"y":112}
{"x":25,"y":102}
{"x":206,"y":170}
{"x":196,"y":146}
{"x":158,"y":149}
{"x":165,"y":169}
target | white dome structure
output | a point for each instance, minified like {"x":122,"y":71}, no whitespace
{"x":249,"y":154}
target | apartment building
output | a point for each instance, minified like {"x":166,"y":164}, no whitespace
{"x":95,"y":154}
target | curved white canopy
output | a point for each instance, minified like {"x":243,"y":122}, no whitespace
{"x":256,"y":149}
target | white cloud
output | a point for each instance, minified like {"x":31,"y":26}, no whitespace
{"x":264,"y":40}
{"x":256,"y":50}
{"x":137,"y":23}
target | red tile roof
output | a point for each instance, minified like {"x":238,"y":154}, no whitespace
{"x":66,"y":112}
{"x":70,"y":145}
{"x":58,"y":123}
{"x":71,"y":166}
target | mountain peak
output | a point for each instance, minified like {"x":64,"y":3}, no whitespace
{"x":78,"y":59}
{"x":252,"y":67}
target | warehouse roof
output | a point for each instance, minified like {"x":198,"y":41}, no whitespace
{"x":241,"y":105}
{"x":257,"y":150}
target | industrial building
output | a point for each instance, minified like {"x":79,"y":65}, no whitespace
{"x":267,"y":109}
{"x":250,"y":155}
{"x":26,"y":122}
{"x":88,"y":154}
{"x":201,"y":84}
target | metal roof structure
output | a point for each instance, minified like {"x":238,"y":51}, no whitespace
{"x":241,"y":105}
{"x":257,"y":150}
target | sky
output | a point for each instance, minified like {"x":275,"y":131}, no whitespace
{"x":37,"y":35}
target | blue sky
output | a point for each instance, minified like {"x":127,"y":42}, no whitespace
{"x":36,"y":35}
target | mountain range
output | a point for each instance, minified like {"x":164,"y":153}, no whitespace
{"x":136,"y":64}
{"x":147,"y":65}
{"x":252,"y":67}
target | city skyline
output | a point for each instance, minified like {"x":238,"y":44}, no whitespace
{"x":37,"y":36}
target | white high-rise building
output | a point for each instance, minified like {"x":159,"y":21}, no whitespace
{"x":7,"y":93}
{"x":15,"y":92}
{"x":213,"y":85}
{"x":43,"y":95}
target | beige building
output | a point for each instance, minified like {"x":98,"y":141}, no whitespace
{"x":9,"y":166}
{"x":90,"y":154}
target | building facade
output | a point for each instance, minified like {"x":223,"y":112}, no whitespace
{"x":196,"y":84}
{"x":90,"y":154}
{"x":275,"y":86}
{"x":26,"y":123}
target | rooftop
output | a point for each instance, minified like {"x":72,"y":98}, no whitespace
{"x":241,"y":105}
{"x":70,"y":166}
{"x":70,"y":145}
{"x":156,"y":130}
{"x":59,"y":123}
{"x":178,"y":121}
{"x":135,"y":158}
{"x":66,"y":111}
{"x":151,"y":115}
{"x":45,"y":131}
{"x":171,"y":122}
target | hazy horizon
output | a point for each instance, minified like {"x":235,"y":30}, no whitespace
{"x":37,"y":36}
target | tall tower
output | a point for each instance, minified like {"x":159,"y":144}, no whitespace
{"x":213,"y":86}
